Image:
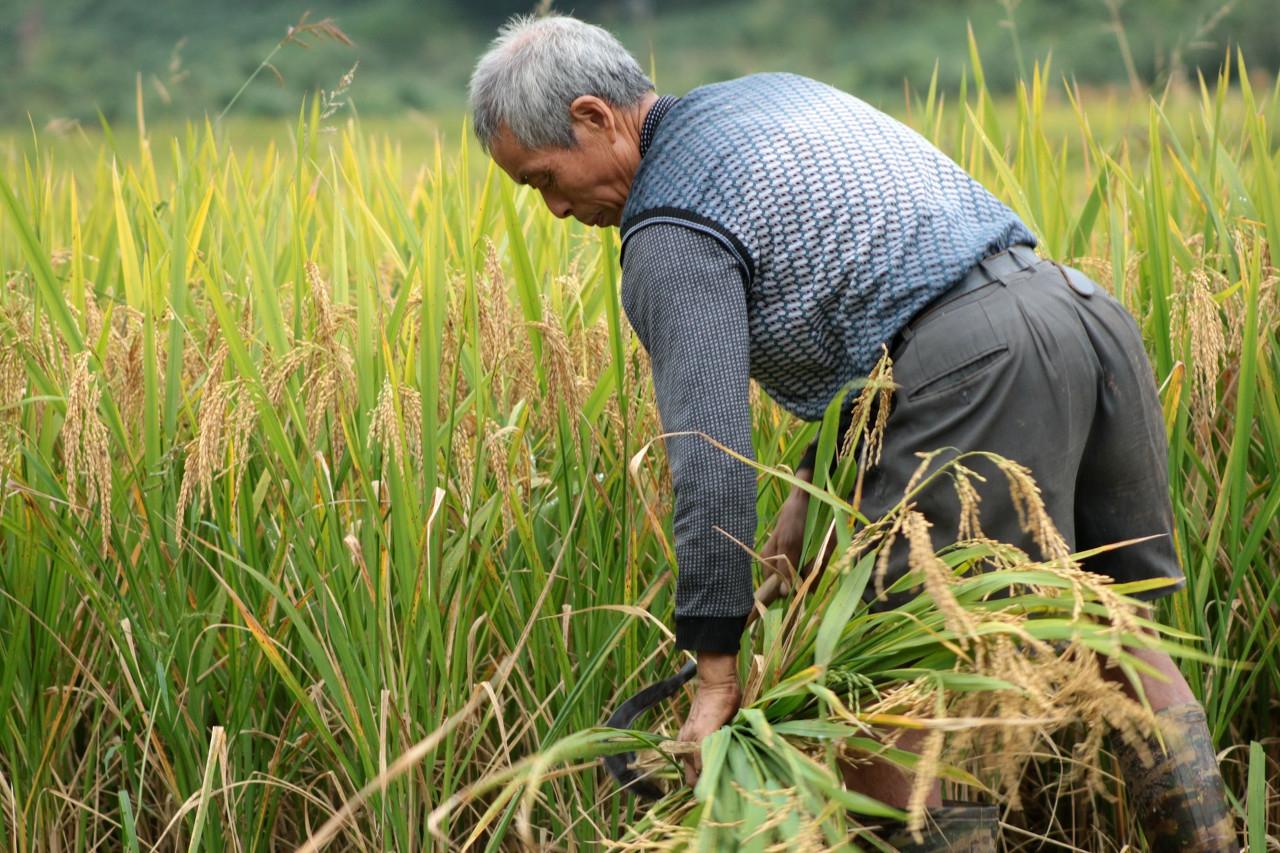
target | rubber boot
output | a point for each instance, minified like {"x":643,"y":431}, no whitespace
{"x":955,"y":826}
{"x":1180,"y":799}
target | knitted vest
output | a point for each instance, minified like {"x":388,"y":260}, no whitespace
{"x":845,"y":222}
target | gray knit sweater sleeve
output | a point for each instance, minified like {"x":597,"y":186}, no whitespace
{"x":685,"y":296}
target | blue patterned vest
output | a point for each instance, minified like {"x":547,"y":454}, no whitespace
{"x":845,"y":221}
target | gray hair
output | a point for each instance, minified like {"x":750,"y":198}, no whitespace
{"x":534,"y":70}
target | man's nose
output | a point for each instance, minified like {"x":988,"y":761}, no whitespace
{"x":558,"y":205}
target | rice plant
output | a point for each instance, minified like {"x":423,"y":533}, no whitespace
{"x":334,"y":509}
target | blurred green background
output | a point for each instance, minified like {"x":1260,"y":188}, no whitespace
{"x":64,"y":60}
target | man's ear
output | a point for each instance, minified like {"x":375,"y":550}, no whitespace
{"x":593,"y":114}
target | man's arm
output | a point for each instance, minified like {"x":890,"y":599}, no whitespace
{"x":685,"y":296}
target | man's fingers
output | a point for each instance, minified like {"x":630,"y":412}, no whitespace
{"x":692,"y":768}
{"x":779,"y":564}
{"x":775,"y":561}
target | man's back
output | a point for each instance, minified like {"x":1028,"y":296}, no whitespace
{"x":844,"y":221}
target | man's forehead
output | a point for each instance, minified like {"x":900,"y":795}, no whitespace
{"x":516,"y":160}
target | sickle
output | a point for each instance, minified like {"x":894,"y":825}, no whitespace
{"x":619,"y":766}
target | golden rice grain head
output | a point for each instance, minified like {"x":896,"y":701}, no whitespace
{"x":92,"y":315}
{"x":1268,"y":310}
{"x":1055,"y":688}
{"x":277,"y":376}
{"x":411,"y":417}
{"x":327,"y":374}
{"x":13,"y":390}
{"x":13,"y":380}
{"x":999,"y":555}
{"x":356,"y":552}
{"x":206,"y":451}
{"x":562,"y":379}
{"x":1096,"y":268}
{"x":504,"y":459}
{"x":962,"y":477}
{"x":1033,"y":517}
{"x":243,"y":415}
{"x":84,"y":447}
{"x":325,"y":323}
{"x":464,"y":456}
{"x":876,"y":396}
{"x":938,"y":579}
{"x":125,"y":371}
{"x":1204,"y":320}
{"x":497,"y":319}
{"x":383,"y":432}
{"x":385,"y":426}
{"x":922,"y":781}
{"x":884,"y":535}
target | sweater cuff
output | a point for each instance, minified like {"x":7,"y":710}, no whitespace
{"x":710,"y":633}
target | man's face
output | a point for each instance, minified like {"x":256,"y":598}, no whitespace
{"x":589,"y":182}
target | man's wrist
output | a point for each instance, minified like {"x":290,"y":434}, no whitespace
{"x":717,"y":669}
{"x":809,"y":459}
{"x":798,"y":496}
{"x":796,"y":506}
{"x":804,"y":472}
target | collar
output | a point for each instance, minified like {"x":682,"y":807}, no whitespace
{"x":651,"y":120}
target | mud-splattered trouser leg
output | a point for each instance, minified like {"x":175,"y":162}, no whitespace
{"x":1180,"y":799}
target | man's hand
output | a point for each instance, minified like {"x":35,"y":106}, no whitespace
{"x":714,"y":704}
{"x":781,"y":553}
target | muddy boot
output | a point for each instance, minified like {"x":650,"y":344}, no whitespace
{"x":1180,"y":799}
{"x":955,"y":826}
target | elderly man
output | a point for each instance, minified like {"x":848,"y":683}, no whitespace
{"x":777,"y":228}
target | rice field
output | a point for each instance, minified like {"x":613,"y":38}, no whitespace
{"x":334,"y":511}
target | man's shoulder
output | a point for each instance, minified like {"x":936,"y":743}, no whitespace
{"x":712,"y":139}
{"x":714,"y":122}
{"x":760,"y":80}
{"x":768,"y":89}
{"x":715,"y":118}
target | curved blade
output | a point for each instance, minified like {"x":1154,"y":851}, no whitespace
{"x":619,"y":766}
